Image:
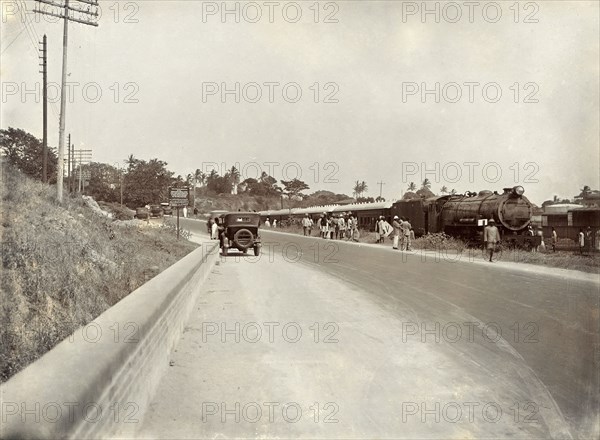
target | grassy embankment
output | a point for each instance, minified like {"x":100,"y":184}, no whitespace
{"x":448,"y":247}
{"x":63,"y":265}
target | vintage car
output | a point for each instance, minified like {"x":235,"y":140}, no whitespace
{"x":167,"y":210}
{"x":156,"y":211}
{"x":240,"y":231}
{"x":142,"y":213}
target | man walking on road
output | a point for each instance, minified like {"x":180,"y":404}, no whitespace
{"x":397,"y":230}
{"x":491,"y":237}
{"x":406,"y":243}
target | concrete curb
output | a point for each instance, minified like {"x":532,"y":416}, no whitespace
{"x":98,"y":382}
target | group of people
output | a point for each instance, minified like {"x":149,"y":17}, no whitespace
{"x":337,"y":226}
{"x":402,"y":230}
{"x":268,"y":223}
{"x":585,"y":240}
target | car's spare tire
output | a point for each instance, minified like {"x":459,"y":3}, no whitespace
{"x":243,"y":238}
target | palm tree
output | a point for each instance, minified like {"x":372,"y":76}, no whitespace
{"x":363,"y":187}
{"x":199,"y":177}
{"x":356,"y":189}
{"x":444,"y":189}
{"x":452,"y":191}
{"x":412,"y":187}
{"x":426,"y":184}
{"x":234,"y":176}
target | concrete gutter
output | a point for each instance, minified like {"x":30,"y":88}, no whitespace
{"x":98,"y":382}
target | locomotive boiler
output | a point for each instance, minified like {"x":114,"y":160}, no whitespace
{"x":511,"y":210}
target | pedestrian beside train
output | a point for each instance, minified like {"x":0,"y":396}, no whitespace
{"x":267,"y":223}
{"x":378,"y":230}
{"x":397,"y":231}
{"x":581,"y":241}
{"x":542,"y":246}
{"x":589,"y":239}
{"x":554,"y":239}
{"x":349,"y":227}
{"x":491,"y":237}
{"x":324,"y":226}
{"x":355,"y":231}
{"x":406,"y":226}
{"x":335,"y":227}
{"x":306,"y":225}
{"x":342,"y":226}
{"x":274,"y":223}
{"x":386,"y":229}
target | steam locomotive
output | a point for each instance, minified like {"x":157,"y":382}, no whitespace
{"x":461,"y":215}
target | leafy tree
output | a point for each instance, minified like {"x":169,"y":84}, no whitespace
{"x":365,"y":200}
{"x":293,"y":188}
{"x":25,"y":152}
{"x":412,"y":187}
{"x":379,"y":199}
{"x":217,"y":184}
{"x":585,"y":190}
{"x":147,"y":182}
{"x":104,"y":182}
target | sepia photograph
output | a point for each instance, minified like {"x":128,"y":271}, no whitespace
{"x":309,"y":219}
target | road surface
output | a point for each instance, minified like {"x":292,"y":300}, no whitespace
{"x":324,"y":339}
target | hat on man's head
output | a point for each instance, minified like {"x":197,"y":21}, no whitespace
{"x":395,"y":217}
{"x":491,"y":220}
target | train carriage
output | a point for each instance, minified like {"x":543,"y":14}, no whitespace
{"x":461,"y":215}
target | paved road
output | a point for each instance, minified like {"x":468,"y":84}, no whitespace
{"x":392,"y":346}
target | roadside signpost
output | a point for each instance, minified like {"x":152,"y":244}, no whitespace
{"x":179,"y":197}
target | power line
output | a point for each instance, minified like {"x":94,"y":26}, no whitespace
{"x":13,"y":40}
{"x":63,"y":105}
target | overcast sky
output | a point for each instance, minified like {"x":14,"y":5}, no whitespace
{"x":371,"y":59}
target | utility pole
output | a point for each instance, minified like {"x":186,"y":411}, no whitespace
{"x":69,"y":163}
{"x":72,"y":155}
{"x":380,"y":187}
{"x":66,"y":17}
{"x":44,"y":73}
{"x":84,"y":158}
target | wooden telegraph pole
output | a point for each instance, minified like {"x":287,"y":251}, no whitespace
{"x":380,"y":187}
{"x":44,"y":73}
{"x":66,"y":16}
{"x":69,"y":164}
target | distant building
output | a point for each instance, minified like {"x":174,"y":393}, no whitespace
{"x":589,"y":199}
